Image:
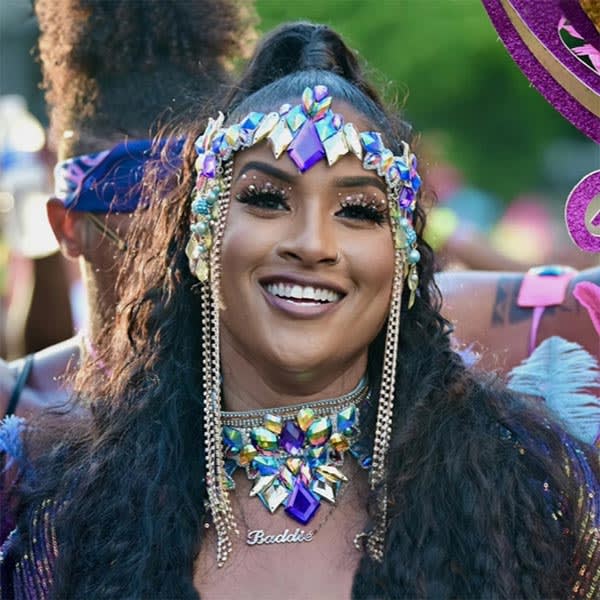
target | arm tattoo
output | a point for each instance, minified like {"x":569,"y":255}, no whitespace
{"x":506,"y":311}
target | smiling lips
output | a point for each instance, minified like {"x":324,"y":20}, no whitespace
{"x":299,"y":292}
{"x":303,"y":301}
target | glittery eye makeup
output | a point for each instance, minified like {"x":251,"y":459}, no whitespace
{"x":363,"y":207}
{"x":263,"y":195}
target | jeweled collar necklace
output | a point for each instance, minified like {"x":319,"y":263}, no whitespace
{"x":294,"y":455}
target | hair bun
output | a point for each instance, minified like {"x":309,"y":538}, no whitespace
{"x":300,"y":46}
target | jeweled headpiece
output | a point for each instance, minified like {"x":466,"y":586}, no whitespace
{"x":308,"y":132}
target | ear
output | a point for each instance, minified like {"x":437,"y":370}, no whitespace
{"x":67,"y":228}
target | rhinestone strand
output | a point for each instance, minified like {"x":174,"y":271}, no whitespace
{"x":255,"y":418}
{"x":383,"y":428}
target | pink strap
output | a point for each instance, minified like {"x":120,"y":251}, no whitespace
{"x":543,"y":287}
{"x":538,"y":311}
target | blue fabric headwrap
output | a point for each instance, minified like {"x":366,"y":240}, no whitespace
{"x":109,"y":181}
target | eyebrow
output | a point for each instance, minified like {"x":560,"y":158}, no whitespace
{"x":267,"y":168}
{"x":349,"y":182}
{"x":341,"y":182}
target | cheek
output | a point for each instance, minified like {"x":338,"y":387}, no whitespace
{"x":372,"y":265}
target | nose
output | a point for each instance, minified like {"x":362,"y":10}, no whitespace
{"x":310,"y":238}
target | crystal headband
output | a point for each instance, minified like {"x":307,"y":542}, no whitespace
{"x":309,"y":132}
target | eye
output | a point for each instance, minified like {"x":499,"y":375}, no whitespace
{"x":361,"y":212}
{"x":266,"y":197}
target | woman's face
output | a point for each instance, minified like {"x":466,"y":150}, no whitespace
{"x":307,"y":261}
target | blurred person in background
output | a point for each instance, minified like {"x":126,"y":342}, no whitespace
{"x":112,"y":71}
{"x":35,"y":278}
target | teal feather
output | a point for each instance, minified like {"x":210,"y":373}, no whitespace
{"x":564,"y":374}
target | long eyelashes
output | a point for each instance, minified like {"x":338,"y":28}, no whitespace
{"x":265,"y":196}
{"x":363,"y":208}
{"x":356,"y":207}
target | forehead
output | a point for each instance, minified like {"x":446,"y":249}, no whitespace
{"x":260,"y":157}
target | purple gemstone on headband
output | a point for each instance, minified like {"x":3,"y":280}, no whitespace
{"x":209,"y":165}
{"x":406,"y":197}
{"x":306,"y":148}
{"x":291,"y":437}
{"x":301,"y":504}
{"x":320,"y":91}
{"x":414,"y":162}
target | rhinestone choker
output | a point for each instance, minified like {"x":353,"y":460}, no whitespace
{"x":294,"y":454}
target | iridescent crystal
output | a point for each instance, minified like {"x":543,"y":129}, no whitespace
{"x":415,"y":182}
{"x":273,"y":423}
{"x":284,"y":109}
{"x":233,"y":438}
{"x":338,"y":121}
{"x":387,"y":160}
{"x":318,"y":433}
{"x":265,"y":127}
{"x":301,"y":504}
{"x":339,"y":442}
{"x":406,"y":197}
{"x":262,"y":483}
{"x":286,"y":477}
{"x":291,"y":438}
{"x":232,"y":136}
{"x":325,"y":127}
{"x":320,"y":109}
{"x":305,"y":418}
{"x":295,"y":118}
{"x":265,"y":465}
{"x":306,"y":148}
{"x":403,"y":168}
{"x":372,"y":142}
{"x":320,"y":91}
{"x":371,"y":161}
{"x":305,"y":473}
{"x":331,"y":473}
{"x":353,"y":140}
{"x":274,"y":496}
{"x":323,"y":489}
{"x":248,"y":126}
{"x":209,"y":164}
{"x":263,"y":438}
{"x":308,"y":99}
{"x":335,"y":147}
{"x":280,"y":138}
{"x":247,"y":454}
{"x":294,"y":464}
{"x":346,"y":419}
{"x":316,"y":456}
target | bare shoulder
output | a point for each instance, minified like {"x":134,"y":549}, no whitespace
{"x":48,"y":381}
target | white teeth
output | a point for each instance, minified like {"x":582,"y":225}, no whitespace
{"x":298,"y":292}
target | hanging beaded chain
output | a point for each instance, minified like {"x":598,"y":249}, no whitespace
{"x":309,"y":132}
{"x":294,"y":454}
{"x":218,"y":497}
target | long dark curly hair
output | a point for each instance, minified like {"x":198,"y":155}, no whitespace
{"x":111,"y":67}
{"x":475,"y":475}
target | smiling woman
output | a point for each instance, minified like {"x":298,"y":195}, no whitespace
{"x":282,"y":375}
